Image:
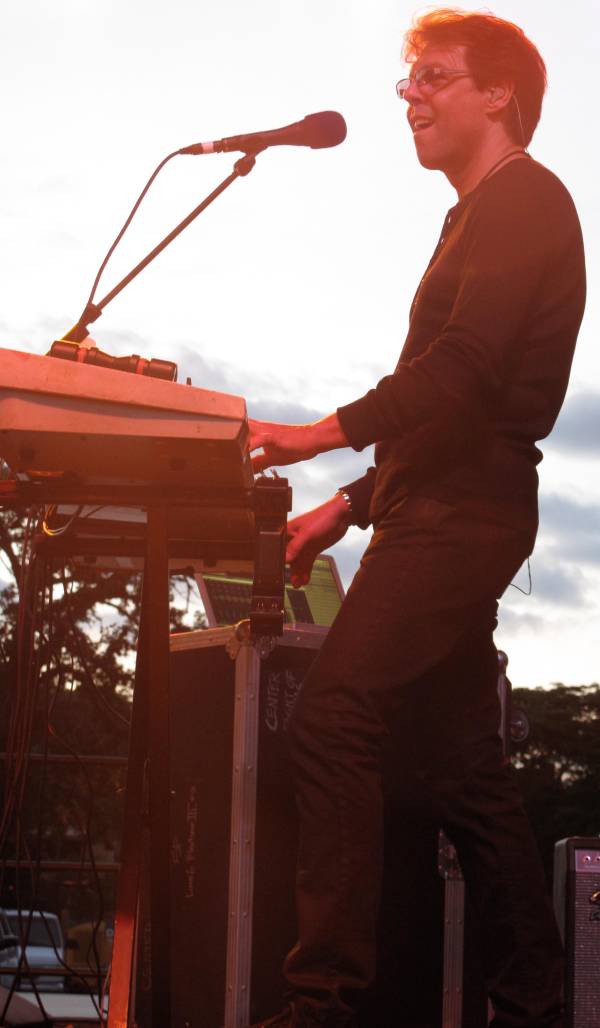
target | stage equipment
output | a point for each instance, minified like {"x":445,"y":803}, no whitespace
{"x":133,"y":364}
{"x":577,"y":908}
{"x":316,"y":130}
{"x":233,"y":827}
{"x":227,"y":595}
{"x":86,"y":424}
{"x":172,"y":459}
{"x":92,"y":311}
{"x":327,"y":128}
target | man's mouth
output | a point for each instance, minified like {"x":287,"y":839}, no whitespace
{"x":418,"y":124}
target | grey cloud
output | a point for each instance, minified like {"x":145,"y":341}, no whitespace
{"x":578,"y":427}
{"x":285,"y":411}
{"x":559,"y":512}
{"x":584,"y":549}
{"x":574,"y":526}
{"x":51,"y":328}
{"x":127,"y":341}
{"x":206,"y":374}
{"x":557,"y":583}
{"x":517,"y":621}
{"x":259,"y":389}
{"x":346,"y":465}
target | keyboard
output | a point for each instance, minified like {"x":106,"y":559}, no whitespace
{"x":63,"y":418}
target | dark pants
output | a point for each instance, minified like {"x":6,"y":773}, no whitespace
{"x":410,"y":660}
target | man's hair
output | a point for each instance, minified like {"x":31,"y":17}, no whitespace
{"x":497,"y":51}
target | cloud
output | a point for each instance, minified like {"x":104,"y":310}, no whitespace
{"x":517,"y":621}
{"x":578,"y":427}
{"x":205,"y":374}
{"x":288,"y":412}
{"x":565,"y":562}
{"x":315,"y":481}
{"x":559,"y":511}
{"x":570,"y":528}
{"x":557,"y":583}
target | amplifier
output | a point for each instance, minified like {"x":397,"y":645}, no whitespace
{"x":577,"y":907}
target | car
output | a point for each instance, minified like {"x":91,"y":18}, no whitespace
{"x":41,"y":934}
{"x":9,"y":950}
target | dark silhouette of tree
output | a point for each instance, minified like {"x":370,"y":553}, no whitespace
{"x":558,"y":765}
{"x":79,"y":694}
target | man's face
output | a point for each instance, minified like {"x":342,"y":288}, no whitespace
{"x":449,"y":123}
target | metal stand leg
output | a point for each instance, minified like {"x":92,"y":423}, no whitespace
{"x":122,"y":981}
{"x":149,"y":744}
{"x":243,"y":826}
{"x":159,"y":792}
{"x":454,"y":926}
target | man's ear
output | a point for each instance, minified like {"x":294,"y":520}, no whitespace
{"x":499,"y":97}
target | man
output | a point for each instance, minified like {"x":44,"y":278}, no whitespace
{"x":453,"y":504}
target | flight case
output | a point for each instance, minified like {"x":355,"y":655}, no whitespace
{"x":233,"y":830}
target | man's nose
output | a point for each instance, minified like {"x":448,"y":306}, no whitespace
{"x":412,"y":92}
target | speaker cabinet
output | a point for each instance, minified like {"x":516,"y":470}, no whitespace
{"x":577,"y":907}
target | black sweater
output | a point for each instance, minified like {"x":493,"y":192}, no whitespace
{"x":484,"y":369}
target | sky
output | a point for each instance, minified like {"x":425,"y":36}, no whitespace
{"x":293,"y":289}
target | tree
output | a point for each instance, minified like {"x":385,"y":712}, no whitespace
{"x":558,"y":765}
{"x":68,"y":635}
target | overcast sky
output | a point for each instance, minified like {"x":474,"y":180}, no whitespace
{"x":293,"y":289}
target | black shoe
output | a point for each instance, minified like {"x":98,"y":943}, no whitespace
{"x":301,"y":1014}
{"x":282,"y":1020}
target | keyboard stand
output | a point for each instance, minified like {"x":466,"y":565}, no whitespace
{"x":148,"y":773}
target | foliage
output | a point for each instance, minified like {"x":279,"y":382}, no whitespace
{"x":558,"y":765}
{"x":86,"y":623}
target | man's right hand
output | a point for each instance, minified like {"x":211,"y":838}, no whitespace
{"x":313,"y":532}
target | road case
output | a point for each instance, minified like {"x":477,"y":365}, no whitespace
{"x":233,"y":829}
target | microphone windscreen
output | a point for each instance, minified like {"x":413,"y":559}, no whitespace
{"x":327,"y":128}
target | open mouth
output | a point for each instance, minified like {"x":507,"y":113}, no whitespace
{"x":419,"y":124}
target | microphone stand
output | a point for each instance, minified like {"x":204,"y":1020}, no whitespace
{"x":143,"y":888}
{"x":242,"y":167}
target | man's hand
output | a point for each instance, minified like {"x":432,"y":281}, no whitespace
{"x":288,"y":444}
{"x":312,"y":532}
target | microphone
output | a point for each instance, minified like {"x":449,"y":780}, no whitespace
{"x":327,"y":128}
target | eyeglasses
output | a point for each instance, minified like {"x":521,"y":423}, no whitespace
{"x":430,"y":79}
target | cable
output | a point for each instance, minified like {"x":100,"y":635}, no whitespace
{"x":123,"y":230}
{"x":45,"y":664}
{"x":31,"y":683}
{"x":84,"y":827}
{"x":528,"y":591}
{"x":52,"y":532}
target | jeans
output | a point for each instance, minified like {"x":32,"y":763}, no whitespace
{"x":409,"y":668}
